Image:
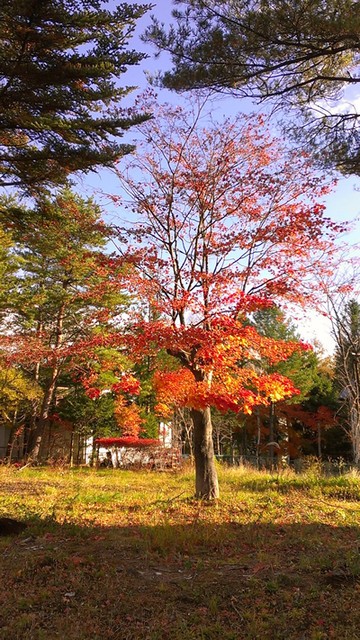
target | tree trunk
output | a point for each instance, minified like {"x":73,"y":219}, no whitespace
{"x":319,"y":452}
{"x":271,"y":435}
{"x":258,"y":437}
{"x":36,"y":435}
{"x":206,"y":481}
{"x":355,"y":432}
{"x":218,"y":446}
{"x":15,"y":433}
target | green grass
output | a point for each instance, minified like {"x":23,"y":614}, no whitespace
{"x":131,"y":555}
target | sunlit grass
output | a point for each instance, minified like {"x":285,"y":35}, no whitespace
{"x":277,"y":556}
{"x":122,"y":496}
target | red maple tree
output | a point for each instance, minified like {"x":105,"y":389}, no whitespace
{"x":223,"y":221}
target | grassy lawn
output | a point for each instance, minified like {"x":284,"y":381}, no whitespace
{"x":130,"y":555}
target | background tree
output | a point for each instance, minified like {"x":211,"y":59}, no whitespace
{"x":67,"y":292}
{"x":320,"y":409}
{"x":299,"y":424}
{"x":8,"y":267}
{"x":346,"y":331}
{"x":88,"y":418}
{"x":296,"y":53}
{"x":19,"y":397}
{"x":222,"y":227}
{"x":300,"y":368}
{"x":96,"y":384}
{"x":59,"y":89}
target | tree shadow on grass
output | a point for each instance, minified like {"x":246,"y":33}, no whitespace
{"x":343,"y":489}
{"x":190,"y":581}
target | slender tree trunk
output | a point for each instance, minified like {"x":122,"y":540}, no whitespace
{"x":37,"y":434}
{"x":206,"y":480}
{"x":355,"y":431}
{"x":258,"y":437}
{"x":319,"y":441}
{"x":189,"y":440}
{"x":71,"y":452}
{"x":218,"y":447}
{"x":15,"y":431}
{"x":34,"y":414}
{"x":271,"y":434}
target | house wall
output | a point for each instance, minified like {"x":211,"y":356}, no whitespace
{"x":166,"y":434}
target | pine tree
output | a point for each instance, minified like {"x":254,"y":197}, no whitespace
{"x":60,"y":63}
{"x":298,"y":53}
{"x":67,"y":292}
{"x":8,"y":267}
{"x":300,"y":368}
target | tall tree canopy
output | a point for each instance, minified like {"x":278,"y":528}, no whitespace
{"x":224,"y":223}
{"x":59,"y":94}
{"x":298,"y":52}
{"x":66,"y":295}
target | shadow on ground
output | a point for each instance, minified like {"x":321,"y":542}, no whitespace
{"x":194,"y":581}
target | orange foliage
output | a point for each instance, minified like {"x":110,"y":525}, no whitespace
{"x":221,"y":365}
{"x":128,"y":417}
{"x":236,"y":391}
{"x":127,"y":384}
{"x":226,"y":222}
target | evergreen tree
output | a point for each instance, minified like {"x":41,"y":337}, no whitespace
{"x":321,"y":403}
{"x":312,"y":410}
{"x":8,"y":267}
{"x":296,"y":52}
{"x":60,"y":63}
{"x":301,"y":366}
{"x":67,"y":293}
{"x":88,"y":417}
